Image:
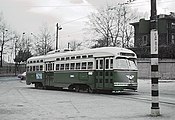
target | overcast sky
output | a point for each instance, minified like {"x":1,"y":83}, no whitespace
{"x":28,"y":15}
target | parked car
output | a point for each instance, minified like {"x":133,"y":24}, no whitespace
{"x":22,"y":76}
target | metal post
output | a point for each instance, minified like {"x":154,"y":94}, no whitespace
{"x":56,"y":44}
{"x":57,"y":40}
{"x":155,"y":110}
{"x":2,"y":48}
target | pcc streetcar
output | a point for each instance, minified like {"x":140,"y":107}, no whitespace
{"x":106,"y":68}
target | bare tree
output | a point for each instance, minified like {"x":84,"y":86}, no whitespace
{"x":74,"y":45}
{"x":5,"y":37}
{"x":43,"y":41}
{"x":111,"y":26}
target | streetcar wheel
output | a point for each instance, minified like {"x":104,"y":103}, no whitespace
{"x":77,"y":88}
{"x":90,"y":90}
{"x":36,"y":85}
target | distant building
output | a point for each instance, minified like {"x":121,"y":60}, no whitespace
{"x":166,"y":30}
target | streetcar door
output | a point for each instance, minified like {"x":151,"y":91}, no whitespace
{"x":49,"y":75}
{"x":99,"y":75}
{"x":104,"y":73}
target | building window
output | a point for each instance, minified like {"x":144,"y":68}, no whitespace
{"x":173,"y":38}
{"x":145,"y":40}
{"x":172,"y":25}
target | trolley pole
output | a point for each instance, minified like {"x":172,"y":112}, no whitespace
{"x":155,"y":110}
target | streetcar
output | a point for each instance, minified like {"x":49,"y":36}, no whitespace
{"x":99,"y":69}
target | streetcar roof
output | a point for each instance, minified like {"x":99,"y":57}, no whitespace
{"x":96,"y":52}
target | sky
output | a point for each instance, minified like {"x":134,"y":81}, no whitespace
{"x":29,"y":15}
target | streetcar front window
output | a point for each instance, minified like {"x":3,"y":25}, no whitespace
{"x":132,"y":64}
{"x":123,"y":63}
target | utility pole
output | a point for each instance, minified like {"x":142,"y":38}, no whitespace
{"x":2,"y":47}
{"x":155,"y":110}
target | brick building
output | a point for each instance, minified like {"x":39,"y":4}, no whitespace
{"x":166,"y":30}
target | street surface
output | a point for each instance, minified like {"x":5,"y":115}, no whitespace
{"x":21,"y":102}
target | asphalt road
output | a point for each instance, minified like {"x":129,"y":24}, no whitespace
{"x":21,"y":102}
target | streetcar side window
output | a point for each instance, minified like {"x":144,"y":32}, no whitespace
{"x":58,"y":59}
{"x":57,"y":66}
{"x":84,"y":56}
{"x":46,"y":67}
{"x":50,"y":66}
{"x":67,"y":66}
{"x":67,"y":58}
{"x":62,"y":58}
{"x":90,"y":56}
{"x":77,"y":66}
{"x":62,"y":67}
{"x":37,"y":68}
{"x":28,"y":68}
{"x":101,"y":64}
{"x":73,"y":57}
{"x":96,"y":64}
{"x":83,"y":65}
{"x":78,"y":57}
{"x":33,"y":68}
{"x":41,"y":67}
{"x":90,"y":65}
{"x":107,"y":64}
{"x":111,"y":63}
{"x":72,"y":65}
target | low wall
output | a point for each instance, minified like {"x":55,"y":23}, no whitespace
{"x":166,"y":68}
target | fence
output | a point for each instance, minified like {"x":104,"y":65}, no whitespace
{"x":11,"y":70}
{"x":166,"y":68}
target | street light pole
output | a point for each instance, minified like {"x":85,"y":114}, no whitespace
{"x":15,"y":53}
{"x":57,"y":42}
